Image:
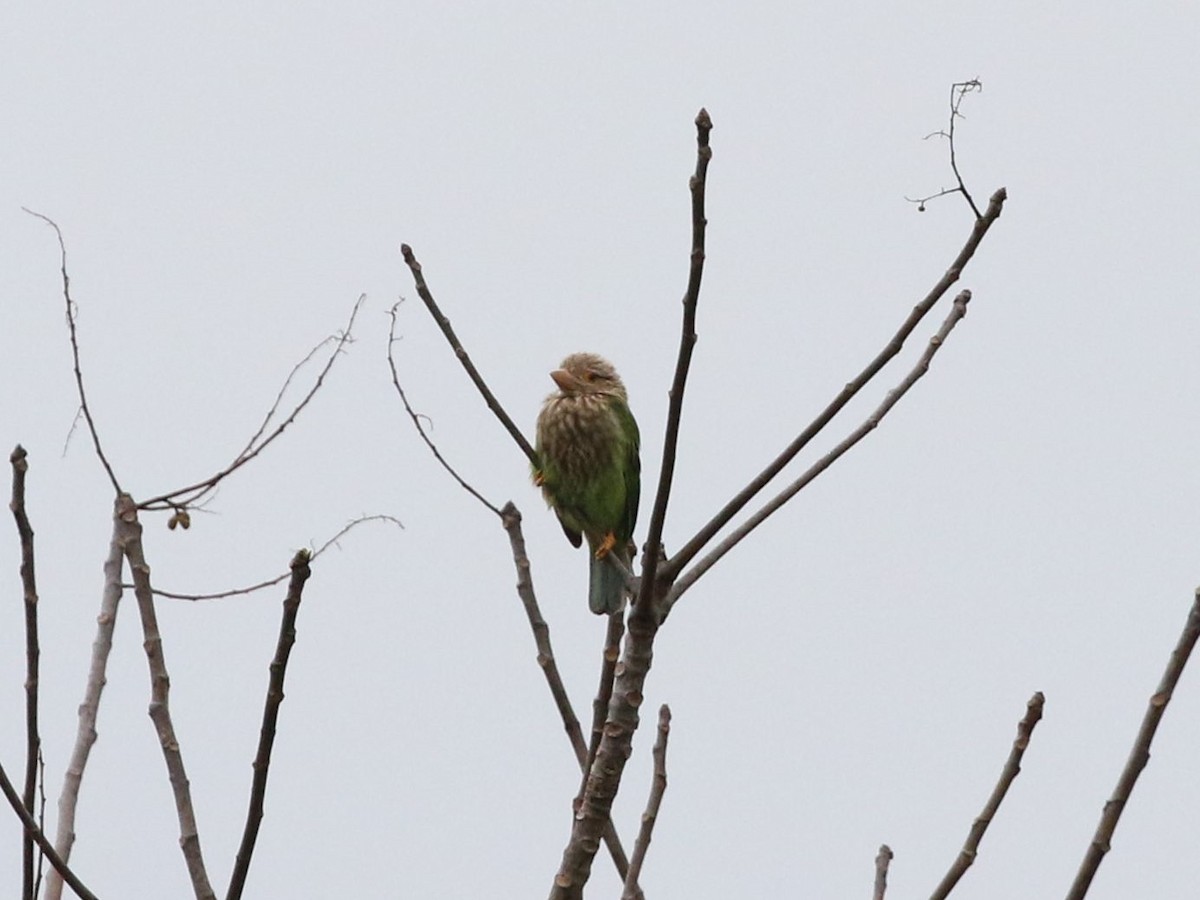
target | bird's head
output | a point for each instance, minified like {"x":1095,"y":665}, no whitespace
{"x":583,"y":374}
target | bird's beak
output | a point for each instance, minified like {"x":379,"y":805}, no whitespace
{"x":565,"y":380}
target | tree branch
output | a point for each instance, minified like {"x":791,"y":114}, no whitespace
{"x":31,"y":828}
{"x":883,"y":859}
{"x":89,"y":708}
{"x":511,"y":518}
{"x":443,"y":323}
{"x":708,"y":531}
{"x":83,"y":403}
{"x":33,"y":741}
{"x":416,"y":418}
{"x":271,"y":582}
{"x":262,"y":760}
{"x":1139,"y":755}
{"x":957,"y":311}
{"x":604,"y":775}
{"x":658,"y":787}
{"x":1012,"y":768}
{"x":185,"y":497}
{"x":130,"y":530}
{"x":958,"y":91}
{"x":687,"y":341}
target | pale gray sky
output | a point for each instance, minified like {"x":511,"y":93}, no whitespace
{"x":230,"y":179}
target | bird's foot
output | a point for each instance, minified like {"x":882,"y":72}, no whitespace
{"x":538,"y":478}
{"x":610,"y":541}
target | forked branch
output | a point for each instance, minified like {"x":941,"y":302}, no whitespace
{"x":187,"y":497}
{"x":709,"y":530}
{"x":957,"y":311}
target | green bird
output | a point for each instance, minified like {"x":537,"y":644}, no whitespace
{"x":588,"y":468}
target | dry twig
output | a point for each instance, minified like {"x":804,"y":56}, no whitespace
{"x":271,"y":582}
{"x":187,"y":497}
{"x":958,"y":92}
{"x":71,"y":307}
{"x":1012,"y":768}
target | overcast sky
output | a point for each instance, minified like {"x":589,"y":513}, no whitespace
{"x":229,"y":178}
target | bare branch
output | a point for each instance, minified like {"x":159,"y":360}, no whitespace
{"x":604,"y":775}
{"x":313,"y":554}
{"x":416,"y":419}
{"x":708,"y":531}
{"x":443,"y":323}
{"x":1012,"y":768}
{"x":511,"y":517}
{"x":957,"y":311}
{"x":89,"y":708}
{"x":262,"y":760}
{"x":658,"y":787}
{"x":31,"y":828}
{"x":687,"y":341}
{"x":608,"y":670}
{"x":185,"y":497}
{"x":958,"y":91}
{"x":33,"y":741}
{"x":883,"y":859}
{"x":1139,"y":755}
{"x":130,"y":531}
{"x":83,"y":403}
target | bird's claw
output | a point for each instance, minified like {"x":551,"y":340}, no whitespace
{"x":610,"y":541}
{"x":538,"y":478}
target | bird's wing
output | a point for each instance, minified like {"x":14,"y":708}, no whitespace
{"x":631,"y":466}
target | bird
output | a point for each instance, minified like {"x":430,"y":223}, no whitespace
{"x":588,"y":468}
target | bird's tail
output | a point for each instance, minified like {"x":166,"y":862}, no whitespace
{"x":606,"y":584}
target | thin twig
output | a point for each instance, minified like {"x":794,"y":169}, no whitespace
{"x":1139,"y":755}
{"x":313,"y":554}
{"x":658,"y":787}
{"x":83,"y":403}
{"x":443,"y":323}
{"x":958,"y":91}
{"x":1012,"y":768}
{"x":416,"y":418}
{"x":262,"y":760}
{"x":33,"y":741}
{"x":185,"y":497}
{"x":708,"y":531}
{"x":89,"y":708}
{"x":160,"y":685}
{"x":883,"y":859}
{"x":957,"y":311}
{"x":687,"y":341}
{"x":511,"y":517}
{"x":31,"y":828}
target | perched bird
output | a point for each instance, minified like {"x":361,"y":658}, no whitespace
{"x":588,"y":468}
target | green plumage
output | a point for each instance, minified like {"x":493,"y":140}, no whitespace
{"x":588,"y":468}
